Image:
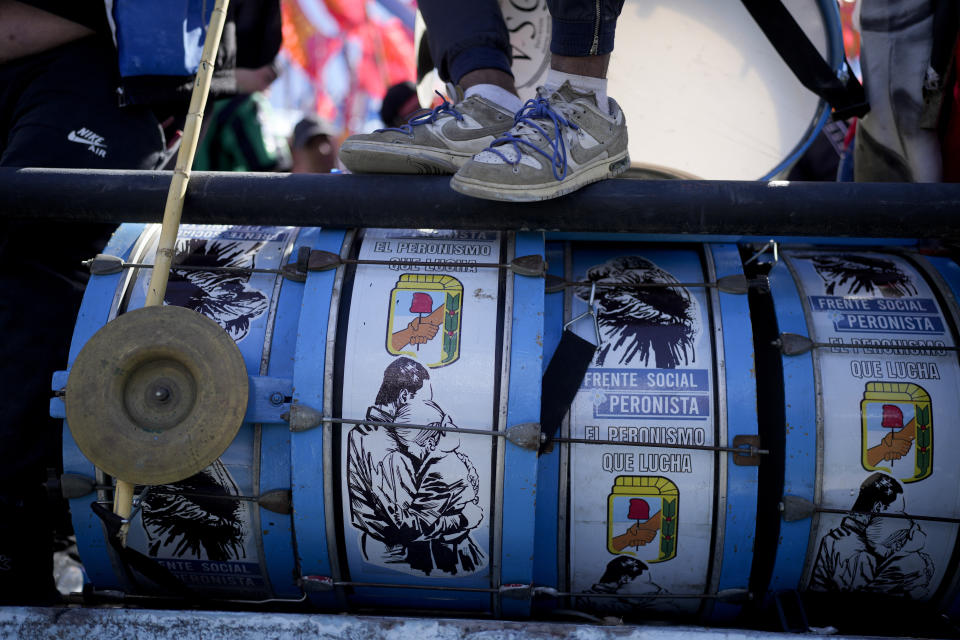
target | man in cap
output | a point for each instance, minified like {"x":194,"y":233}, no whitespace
{"x":313,"y":147}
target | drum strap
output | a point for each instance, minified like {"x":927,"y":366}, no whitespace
{"x":845,"y":95}
{"x":561,"y":381}
{"x":143,"y":564}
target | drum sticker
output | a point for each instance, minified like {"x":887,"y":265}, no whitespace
{"x":425,"y":312}
{"x":897,"y":430}
{"x":234,"y":300}
{"x":413,"y":493}
{"x":637,"y":323}
{"x":888,"y":380}
{"x":630,"y":579}
{"x":651,"y":381}
{"x":850,"y":274}
{"x":178,"y":516}
{"x":642,"y":511}
{"x":868,"y":551}
{"x":203,"y":528}
{"x":224,"y":297}
{"x":417,"y":500}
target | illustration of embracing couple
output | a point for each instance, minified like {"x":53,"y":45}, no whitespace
{"x":413,"y":494}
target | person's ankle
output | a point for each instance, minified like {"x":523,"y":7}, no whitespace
{"x":495,"y":77}
{"x":495,"y":94}
{"x":581,"y":83}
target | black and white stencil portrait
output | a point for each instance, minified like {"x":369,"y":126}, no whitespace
{"x":414,"y":495}
{"x":871,"y":552}
{"x":626,"y":577}
{"x":223,"y":296}
{"x":636,"y":320}
{"x":199,"y":518}
{"x":849,"y":274}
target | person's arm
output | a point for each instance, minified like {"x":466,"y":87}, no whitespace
{"x":26,"y":30}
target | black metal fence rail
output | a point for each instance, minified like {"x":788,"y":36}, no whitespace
{"x":889,"y":210}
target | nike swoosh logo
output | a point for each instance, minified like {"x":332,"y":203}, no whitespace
{"x":452,"y":131}
{"x":73,"y":137}
{"x":582,"y":156}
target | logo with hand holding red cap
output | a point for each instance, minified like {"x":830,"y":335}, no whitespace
{"x":897,"y":430}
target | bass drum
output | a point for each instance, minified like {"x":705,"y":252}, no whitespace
{"x":666,"y":529}
{"x":871,"y":500}
{"x":210,"y":532}
{"x":326,"y":493}
{"x":705,"y":93}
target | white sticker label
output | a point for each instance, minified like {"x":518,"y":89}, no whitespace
{"x":421,"y":350}
{"x":643,"y":516}
{"x":890,"y":397}
{"x":203,"y":529}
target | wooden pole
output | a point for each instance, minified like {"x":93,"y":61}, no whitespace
{"x":123,"y":495}
{"x":188,"y":148}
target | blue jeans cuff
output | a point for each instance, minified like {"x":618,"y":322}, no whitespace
{"x":576,"y":38}
{"x":479,"y":57}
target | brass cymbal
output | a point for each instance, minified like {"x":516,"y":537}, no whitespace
{"x":157,"y":395}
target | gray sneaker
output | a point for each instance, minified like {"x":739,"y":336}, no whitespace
{"x":437,"y":141}
{"x":559,"y":143}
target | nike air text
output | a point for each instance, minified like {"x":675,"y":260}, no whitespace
{"x":94,"y":143}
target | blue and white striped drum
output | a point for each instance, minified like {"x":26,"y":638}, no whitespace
{"x":871,"y":494}
{"x":665,"y":528}
{"x":386,"y":460}
{"x":207,"y":530}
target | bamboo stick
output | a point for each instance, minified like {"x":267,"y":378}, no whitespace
{"x":188,"y":148}
{"x":123,"y":506}
{"x":123,"y":497}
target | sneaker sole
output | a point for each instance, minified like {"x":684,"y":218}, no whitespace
{"x":608,"y":168}
{"x":372,"y":157}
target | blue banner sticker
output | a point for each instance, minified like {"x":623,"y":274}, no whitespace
{"x":887,"y":323}
{"x":665,"y":406}
{"x":874,"y":305}
{"x":683,"y":380}
{"x":215,"y":574}
{"x":234,"y":232}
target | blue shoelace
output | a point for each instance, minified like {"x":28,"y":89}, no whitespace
{"x":538,"y":109}
{"x":426,"y":117}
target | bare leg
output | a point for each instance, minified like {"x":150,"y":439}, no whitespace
{"x":593,"y":66}
{"x":489,"y":76}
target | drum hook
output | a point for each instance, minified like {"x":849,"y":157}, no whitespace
{"x":592,"y":312}
{"x":138,"y":503}
{"x":771,"y":244}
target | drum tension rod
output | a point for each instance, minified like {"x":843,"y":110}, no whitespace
{"x":526,"y":435}
{"x":276,"y":501}
{"x":794,"y":344}
{"x":105,"y":265}
{"x":315,"y":260}
{"x":746,"y":446}
{"x":519,"y":591}
{"x":793,"y":508}
{"x":725,"y":595}
{"x":75,"y":485}
{"x":735,"y":283}
{"x":531,"y":265}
